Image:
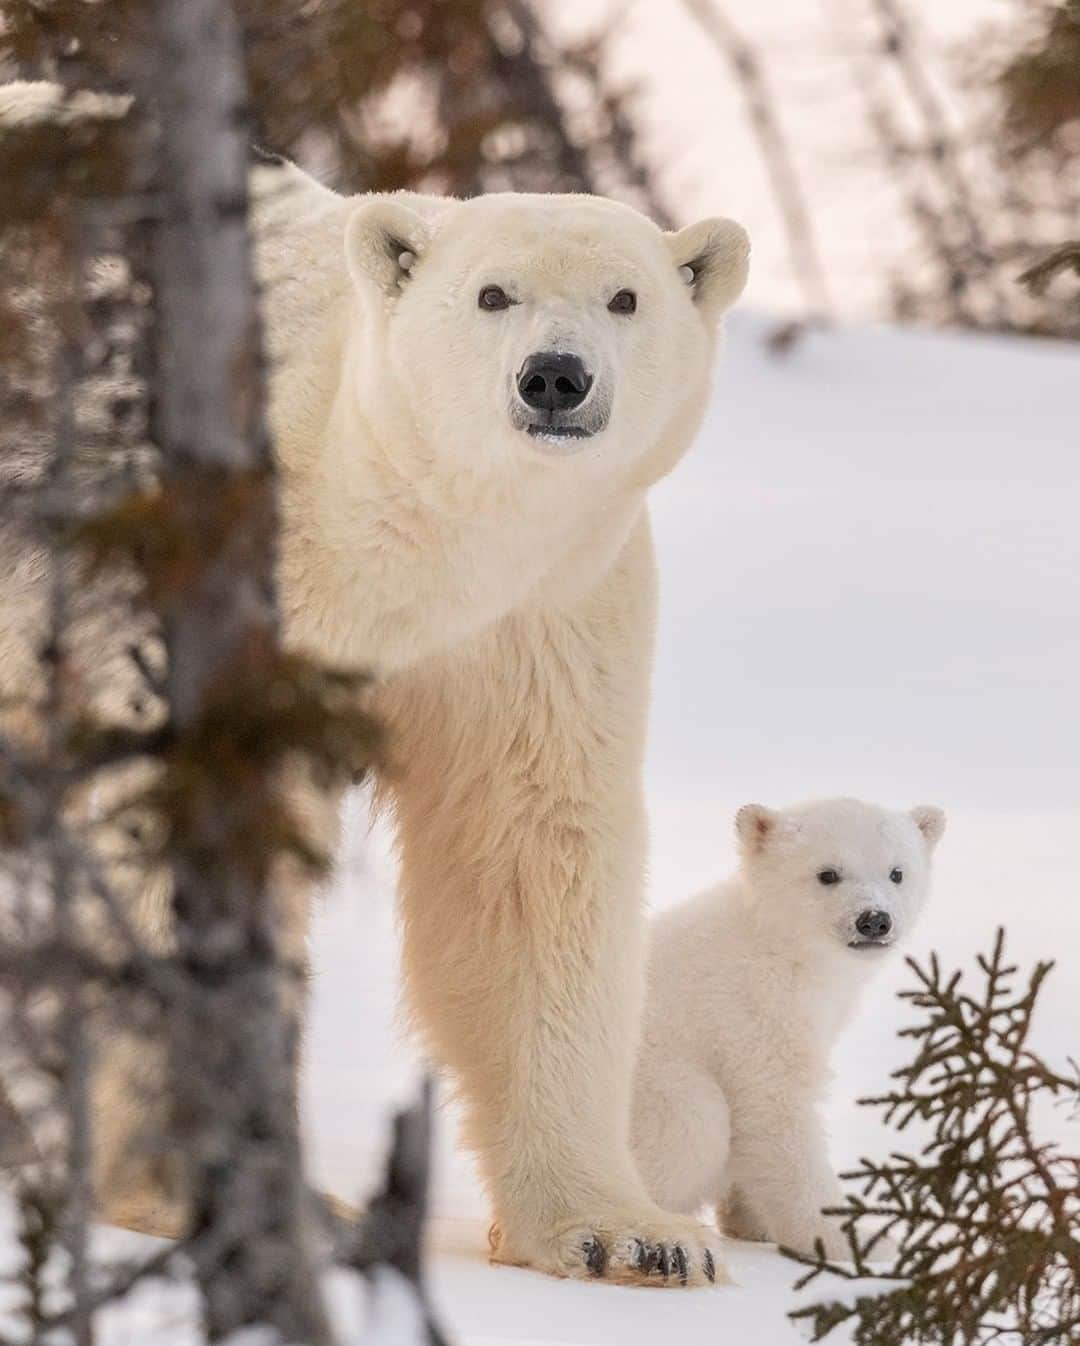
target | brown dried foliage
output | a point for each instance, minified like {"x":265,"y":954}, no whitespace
{"x":223,"y":780}
{"x":1040,"y":85}
{"x":167,"y":533}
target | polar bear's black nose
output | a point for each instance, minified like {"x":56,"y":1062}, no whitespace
{"x":552,"y":381}
{"x":873,"y":924}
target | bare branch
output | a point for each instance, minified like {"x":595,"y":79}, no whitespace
{"x":1038,"y":277}
{"x":776,"y":153}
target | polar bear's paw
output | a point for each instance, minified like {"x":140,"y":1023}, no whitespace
{"x":826,"y":1236}
{"x":651,"y":1249}
{"x":838,"y":1249}
{"x":738,"y":1221}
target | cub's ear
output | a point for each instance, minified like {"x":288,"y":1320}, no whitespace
{"x":930,"y":821}
{"x":754,"y":825}
{"x":713,"y":258}
{"x":384,"y":240}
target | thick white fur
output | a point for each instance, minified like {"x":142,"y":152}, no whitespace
{"x":749,"y":986}
{"x":503,"y":593}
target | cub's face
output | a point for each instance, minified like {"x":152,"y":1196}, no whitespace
{"x":840,"y":872}
{"x":546,"y":327}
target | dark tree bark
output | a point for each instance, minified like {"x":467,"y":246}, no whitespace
{"x":392,"y":1231}
{"x":233,"y":1053}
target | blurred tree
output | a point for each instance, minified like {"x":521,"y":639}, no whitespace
{"x":1039,"y":90}
{"x":448,"y":96}
{"x":1040,"y":83}
{"x":985,"y":153}
{"x":748,"y":71}
{"x":140,"y":664}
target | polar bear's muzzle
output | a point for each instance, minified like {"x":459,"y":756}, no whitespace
{"x":874,"y":928}
{"x":553,"y":403}
{"x":552,"y":381}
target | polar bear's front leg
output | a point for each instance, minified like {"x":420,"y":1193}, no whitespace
{"x":522,"y":831}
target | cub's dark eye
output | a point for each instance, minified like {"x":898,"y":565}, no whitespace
{"x":897,"y":876}
{"x":624,"y":302}
{"x":828,"y":877}
{"x":493,"y":297}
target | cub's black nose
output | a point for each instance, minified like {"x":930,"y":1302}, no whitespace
{"x":873,"y":924}
{"x":552,"y":381}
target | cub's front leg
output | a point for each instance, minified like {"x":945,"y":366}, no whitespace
{"x":522,"y":830}
{"x":680,"y":1128}
{"x":782,"y":1178}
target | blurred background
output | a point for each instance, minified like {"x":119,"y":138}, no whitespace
{"x":891,"y":158}
{"x":870,"y":559}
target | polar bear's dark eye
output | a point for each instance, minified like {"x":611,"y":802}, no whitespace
{"x":828,"y":876}
{"x":897,"y":876}
{"x":493,"y":297}
{"x":624,"y":302}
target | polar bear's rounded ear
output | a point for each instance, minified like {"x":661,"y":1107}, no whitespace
{"x":384,"y":240}
{"x":930,"y":820}
{"x":713,"y":258}
{"x":754,"y":825}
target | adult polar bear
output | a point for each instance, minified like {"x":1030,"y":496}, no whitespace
{"x":470,"y":400}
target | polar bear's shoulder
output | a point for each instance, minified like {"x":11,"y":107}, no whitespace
{"x":299,"y":231}
{"x":295,"y":212}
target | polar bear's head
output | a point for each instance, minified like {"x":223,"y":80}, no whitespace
{"x":524,"y":326}
{"x":839,"y":871}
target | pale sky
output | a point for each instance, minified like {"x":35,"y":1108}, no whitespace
{"x":707,"y":159}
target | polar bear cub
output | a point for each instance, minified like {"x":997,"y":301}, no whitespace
{"x":750,"y":984}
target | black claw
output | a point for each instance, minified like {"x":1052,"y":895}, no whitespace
{"x":641,"y":1256}
{"x":680,"y":1263}
{"x":710,"y":1267}
{"x":665,"y":1260}
{"x":595,"y":1254}
{"x":652,"y":1258}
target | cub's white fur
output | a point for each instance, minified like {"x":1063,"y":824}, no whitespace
{"x":497,"y":575}
{"x":749,"y":985}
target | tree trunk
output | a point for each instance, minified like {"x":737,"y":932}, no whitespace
{"x":233,"y":1055}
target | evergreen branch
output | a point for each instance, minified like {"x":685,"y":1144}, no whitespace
{"x":986,"y":1215}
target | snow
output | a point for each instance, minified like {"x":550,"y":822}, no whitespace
{"x":870,"y":585}
{"x":395,"y":1317}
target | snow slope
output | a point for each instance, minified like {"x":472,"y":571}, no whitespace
{"x":870,"y":579}
{"x":870,"y":584}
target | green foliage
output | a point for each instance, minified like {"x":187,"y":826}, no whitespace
{"x":986,"y":1217}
